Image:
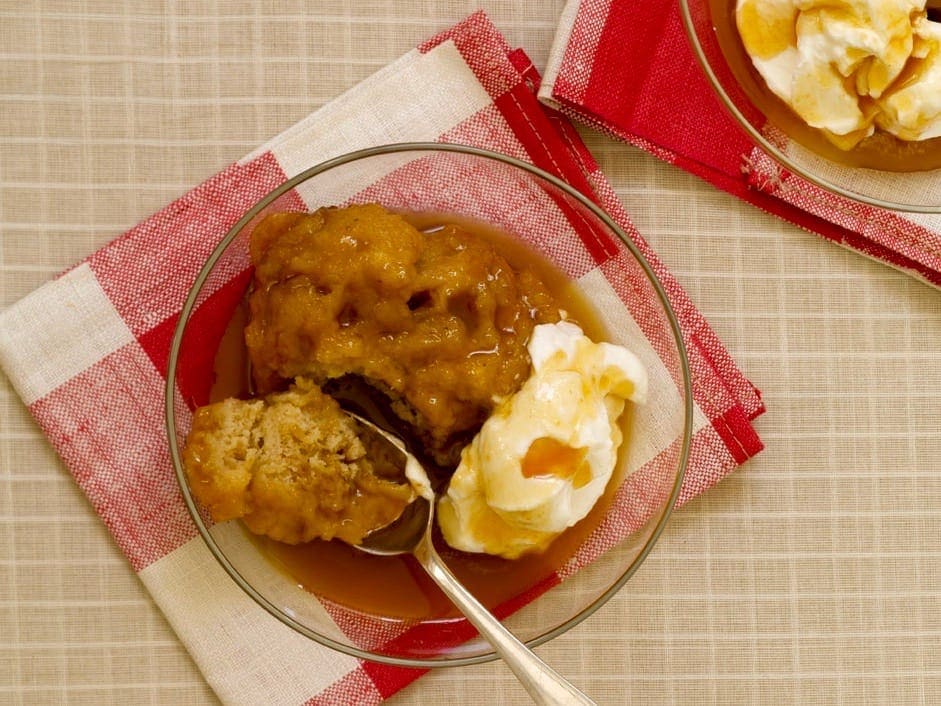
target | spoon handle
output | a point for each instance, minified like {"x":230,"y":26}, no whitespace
{"x":546,"y":686}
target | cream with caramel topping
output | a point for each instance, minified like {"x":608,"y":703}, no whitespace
{"x":544,"y":457}
{"x":848,"y":67}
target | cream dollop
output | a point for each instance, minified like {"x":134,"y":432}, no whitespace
{"x":543,"y":458}
{"x":849,"y":67}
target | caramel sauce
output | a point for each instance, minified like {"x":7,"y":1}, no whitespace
{"x":879,"y":151}
{"x":396,"y":587}
{"x":547,"y":457}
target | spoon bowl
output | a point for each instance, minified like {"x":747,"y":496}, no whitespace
{"x":399,"y":537}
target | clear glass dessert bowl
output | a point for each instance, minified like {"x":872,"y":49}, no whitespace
{"x":883,"y":172}
{"x":378,"y":608}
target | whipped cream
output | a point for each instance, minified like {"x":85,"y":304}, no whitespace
{"x":847,"y":68}
{"x":912,"y":110}
{"x":544,"y":457}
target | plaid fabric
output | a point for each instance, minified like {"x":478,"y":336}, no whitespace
{"x":87,"y":352}
{"x":616,"y":65}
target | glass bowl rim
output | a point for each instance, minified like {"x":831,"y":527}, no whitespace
{"x":777,"y":154}
{"x":189,"y":304}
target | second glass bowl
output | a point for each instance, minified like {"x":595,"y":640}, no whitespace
{"x":710,"y":26}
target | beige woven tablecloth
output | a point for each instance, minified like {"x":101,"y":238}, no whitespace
{"x":810,"y":576}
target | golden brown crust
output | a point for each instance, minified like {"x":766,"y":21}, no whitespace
{"x":437,"y":321}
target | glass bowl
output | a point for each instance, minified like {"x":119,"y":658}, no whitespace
{"x":710,"y":26}
{"x":570,"y":231}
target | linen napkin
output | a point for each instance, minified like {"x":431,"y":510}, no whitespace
{"x":619,"y":66}
{"x":87,"y":351}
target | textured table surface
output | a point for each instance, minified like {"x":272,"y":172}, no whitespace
{"x":810,"y":576}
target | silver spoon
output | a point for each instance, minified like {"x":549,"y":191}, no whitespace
{"x":411,"y":534}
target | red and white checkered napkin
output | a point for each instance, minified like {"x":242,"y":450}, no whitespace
{"x":617,"y":65}
{"x":87,"y":352}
